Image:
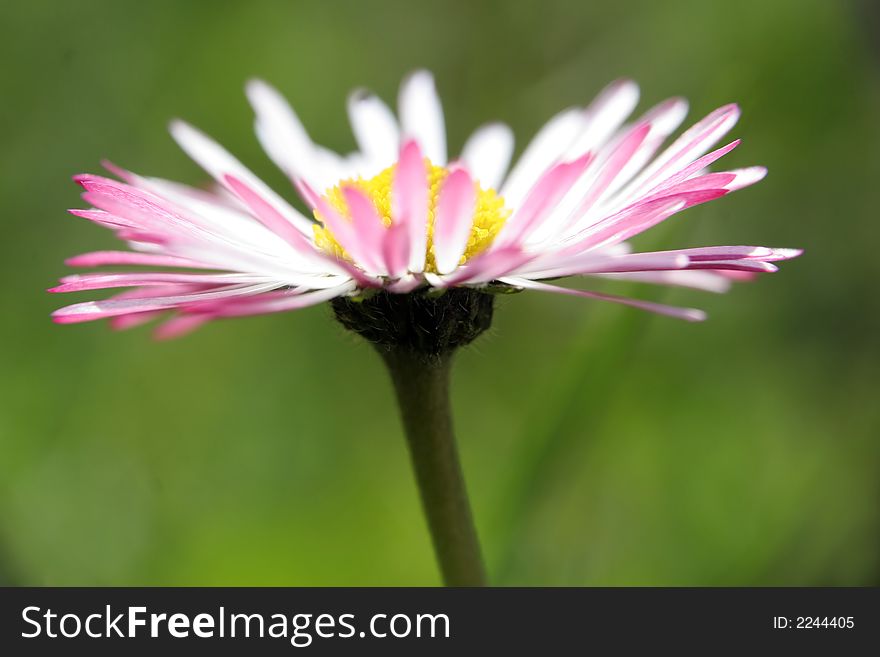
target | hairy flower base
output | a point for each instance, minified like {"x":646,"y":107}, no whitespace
{"x":427,"y":324}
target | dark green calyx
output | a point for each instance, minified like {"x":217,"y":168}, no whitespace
{"x":429,"y":325}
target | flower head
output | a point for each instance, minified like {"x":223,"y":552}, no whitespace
{"x":397,"y":218}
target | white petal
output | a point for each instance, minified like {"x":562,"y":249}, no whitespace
{"x":214,"y":159}
{"x":421,"y":115}
{"x":605,"y":115}
{"x":546,"y":147}
{"x":280,"y":131}
{"x":487,"y":153}
{"x":375,"y":128}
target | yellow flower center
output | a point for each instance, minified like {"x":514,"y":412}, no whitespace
{"x":489,"y":212}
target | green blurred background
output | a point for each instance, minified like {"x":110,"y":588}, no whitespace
{"x":602,"y":446}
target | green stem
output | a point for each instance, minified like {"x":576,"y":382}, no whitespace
{"x":422,"y":387}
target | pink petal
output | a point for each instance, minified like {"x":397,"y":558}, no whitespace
{"x":687,"y":314}
{"x":543,"y":197}
{"x":736,"y":265}
{"x":453,"y":220}
{"x":410,"y":202}
{"x":179,"y":326}
{"x":545,"y":149}
{"x":591,"y":263}
{"x":708,"y":281}
{"x":219,"y":163}
{"x":92,"y":310}
{"x":406,"y":284}
{"x":396,"y":250}
{"x":690,"y":145}
{"x":767,"y":254}
{"x":80,"y":282}
{"x":142,"y":209}
{"x":694,"y":167}
{"x":485,"y":267}
{"x":103,"y":258}
{"x":343,"y":230}
{"x":639,"y":217}
{"x":368,"y":227}
{"x":292,"y":301}
{"x":269,"y":216}
{"x":605,"y":115}
{"x":132,"y":320}
{"x":103,"y":218}
{"x":616,"y":162}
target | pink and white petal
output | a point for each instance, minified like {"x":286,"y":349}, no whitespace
{"x":144,"y":210}
{"x":177,"y":191}
{"x":421,"y":115}
{"x":692,"y":169}
{"x":406,"y":284}
{"x":709,"y":253}
{"x":783,"y":254}
{"x":126,"y":322}
{"x":156,"y":219}
{"x":375,"y":128}
{"x":543,"y":197}
{"x":82,"y":282}
{"x":218,"y":162}
{"x":708,"y":281}
{"x":483,"y":268}
{"x":545,"y":149}
{"x":272,"y":219}
{"x":595,"y":194}
{"x":368,"y":226}
{"x":690,"y":145}
{"x":257,"y":306}
{"x":611,"y":107}
{"x":610,"y":169}
{"x":280,"y":132}
{"x":410,"y":202}
{"x":92,"y":310}
{"x":745,"y":177}
{"x":134,"y":258}
{"x":638,"y":218}
{"x":343,"y":230}
{"x":729,"y":180}
{"x":687,"y":314}
{"x":757,"y":266}
{"x":453,"y":220}
{"x":132,"y":320}
{"x":396,"y":250}
{"x":663,"y":119}
{"x":162,"y":223}
{"x":591,"y":263}
{"x":487,"y":153}
{"x":219,"y":210}
{"x":180,"y":325}
{"x":103,"y":218}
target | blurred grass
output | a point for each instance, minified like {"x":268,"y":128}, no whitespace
{"x":601,"y":446}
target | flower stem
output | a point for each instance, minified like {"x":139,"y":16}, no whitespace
{"x":422,"y":388}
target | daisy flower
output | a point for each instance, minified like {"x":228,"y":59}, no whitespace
{"x":398,"y":218}
{"x":410,"y":248}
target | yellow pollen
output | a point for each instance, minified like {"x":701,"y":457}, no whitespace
{"x":489,"y":212}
